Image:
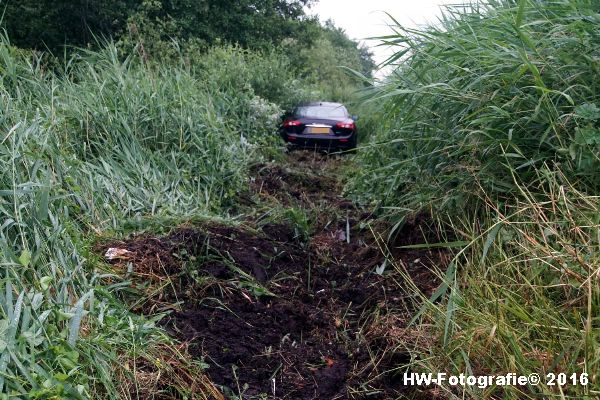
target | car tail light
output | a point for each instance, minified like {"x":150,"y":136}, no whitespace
{"x":291,"y":123}
{"x":345,"y":125}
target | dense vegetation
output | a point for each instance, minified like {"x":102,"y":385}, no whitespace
{"x":54,"y":24}
{"x":83,"y":151}
{"x":489,"y":123}
{"x":153,"y":26}
{"x":103,"y":140}
{"x":151,"y":112}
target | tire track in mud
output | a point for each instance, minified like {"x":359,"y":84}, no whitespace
{"x":288,"y":304}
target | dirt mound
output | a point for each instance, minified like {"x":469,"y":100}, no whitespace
{"x":273,"y":347}
{"x":278,"y":316}
{"x":282,"y":319}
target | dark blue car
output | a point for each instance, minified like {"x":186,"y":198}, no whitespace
{"x":321,"y":125}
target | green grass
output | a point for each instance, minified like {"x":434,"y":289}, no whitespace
{"x":490,"y":125}
{"x":107,"y":144}
{"x":501,"y":89}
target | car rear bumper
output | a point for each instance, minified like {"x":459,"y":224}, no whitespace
{"x":325,"y":141}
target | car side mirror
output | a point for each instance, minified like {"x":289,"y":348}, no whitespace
{"x":355,"y":117}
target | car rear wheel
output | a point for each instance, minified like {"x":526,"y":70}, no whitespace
{"x":353,"y":144}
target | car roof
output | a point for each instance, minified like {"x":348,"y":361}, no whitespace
{"x":320,"y":103}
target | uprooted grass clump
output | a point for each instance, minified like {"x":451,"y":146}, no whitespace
{"x":164,"y":372}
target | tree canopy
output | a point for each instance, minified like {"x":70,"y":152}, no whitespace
{"x":51,"y":24}
{"x":154,"y":25}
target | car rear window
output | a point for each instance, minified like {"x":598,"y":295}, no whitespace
{"x":321,"y":112}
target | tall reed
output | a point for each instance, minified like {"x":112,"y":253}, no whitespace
{"x":490,"y":125}
{"x":85,"y":149}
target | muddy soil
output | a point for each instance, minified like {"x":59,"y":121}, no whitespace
{"x":275,"y":315}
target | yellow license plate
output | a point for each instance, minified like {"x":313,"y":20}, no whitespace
{"x":318,"y":130}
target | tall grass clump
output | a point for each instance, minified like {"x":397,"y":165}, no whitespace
{"x":83,"y":150}
{"x":503,"y":88}
{"x":491,"y":124}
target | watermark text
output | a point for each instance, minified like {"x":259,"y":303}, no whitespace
{"x":484,"y":381}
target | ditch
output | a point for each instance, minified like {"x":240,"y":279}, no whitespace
{"x":295,"y":299}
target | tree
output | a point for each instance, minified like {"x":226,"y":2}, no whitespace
{"x":51,"y":24}
{"x":359,"y":57}
{"x":249,"y":23}
{"x":194,"y":24}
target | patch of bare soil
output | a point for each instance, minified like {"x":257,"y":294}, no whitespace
{"x":276,"y":317}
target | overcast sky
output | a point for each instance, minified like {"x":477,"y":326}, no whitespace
{"x":362,"y":19}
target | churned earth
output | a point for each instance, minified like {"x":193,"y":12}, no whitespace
{"x":294,"y":299}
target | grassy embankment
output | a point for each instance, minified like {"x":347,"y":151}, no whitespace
{"x":103,"y":145}
{"x":490,"y":125}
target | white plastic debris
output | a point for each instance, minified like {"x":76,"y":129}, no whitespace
{"x":114,"y":253}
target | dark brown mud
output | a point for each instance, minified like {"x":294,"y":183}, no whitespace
{"x":275,"y":315}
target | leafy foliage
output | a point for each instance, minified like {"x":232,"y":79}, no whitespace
{"x":166,"y":31}
{"x":251,"y":23}
{"x":52,"y":24}
{"x":324,"y":58}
